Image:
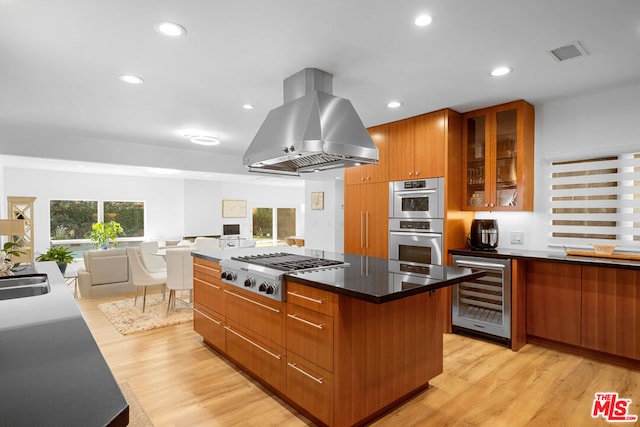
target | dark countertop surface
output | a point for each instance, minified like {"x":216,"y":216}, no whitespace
{"x":554,"y":256}
{"x":365,"y":278}
{"x":52,"y":372}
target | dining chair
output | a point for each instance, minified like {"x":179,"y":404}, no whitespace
{"x":179,"y":273}
{"x":153,"y":262}
{"x":142,"y":278}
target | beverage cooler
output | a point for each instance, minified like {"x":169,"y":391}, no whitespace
{"x":483,"y":306}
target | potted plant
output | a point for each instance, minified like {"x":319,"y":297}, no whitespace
{"x":103,"y":234}
{"x":10,"y":250}
{"x":61,"y":255}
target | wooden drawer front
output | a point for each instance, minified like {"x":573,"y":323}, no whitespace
{"x":314,"y":299}
{"x":210,"y":327}
{"x":210,"y":295}
{"x":310,"y":335}
{"x":262,"y":358}
{"x":311,"y":387}
{"x":262,"y":316}
{"x":206,"y":267}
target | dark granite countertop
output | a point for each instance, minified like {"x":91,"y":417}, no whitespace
{"x":52,"y":371}
{"x":554,"y":256}
{"x":365,"y":278}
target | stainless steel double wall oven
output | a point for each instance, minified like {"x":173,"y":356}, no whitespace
{"x":416,"y":225}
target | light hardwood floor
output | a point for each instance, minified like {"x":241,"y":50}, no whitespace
{"x":181,"y":382}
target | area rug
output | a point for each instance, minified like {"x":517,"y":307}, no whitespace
{"x":137,"y":416}
{"x":129,"y":319}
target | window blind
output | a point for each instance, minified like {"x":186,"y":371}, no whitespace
{"x":596,"y":200}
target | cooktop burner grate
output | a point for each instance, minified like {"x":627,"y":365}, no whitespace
{"x":288,"y":262}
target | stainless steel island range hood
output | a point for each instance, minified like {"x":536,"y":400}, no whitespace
{"x":312,"y":131}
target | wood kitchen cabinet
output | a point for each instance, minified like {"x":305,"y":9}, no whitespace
{"x":366,"y":219}
{"x":611,"y":310}
{"x":417,"y":147}
{"x":372,"y":173}
{"x":209,"y":302}
{"x":498,"y":150}
{"x":554,"y":298}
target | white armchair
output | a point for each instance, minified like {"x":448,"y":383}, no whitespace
{"x":179,"y":273}
{"x":141,"y":277}
{"x":207,"y":243}
{"x":153,"y":263}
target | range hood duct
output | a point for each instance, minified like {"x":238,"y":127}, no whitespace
{"x":313,"y":131}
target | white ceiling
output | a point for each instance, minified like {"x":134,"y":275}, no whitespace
{"x":60,"y":61}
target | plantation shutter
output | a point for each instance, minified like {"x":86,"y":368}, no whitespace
{"x":596,"y":201}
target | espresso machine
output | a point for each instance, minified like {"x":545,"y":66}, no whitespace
{"x":484,"y":235}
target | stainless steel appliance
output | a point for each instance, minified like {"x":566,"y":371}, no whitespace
{"x":416,"y":226}
{"x":262,"y":274}
{"x":313,"y":130}
{"x":419,"y":198}
{"x":484,"y":234}
{"x":483,"y":305}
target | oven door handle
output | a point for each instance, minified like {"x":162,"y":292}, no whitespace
{"x":414,"y":192}
{"x":475,"y":264}
{"x":414,"y":233}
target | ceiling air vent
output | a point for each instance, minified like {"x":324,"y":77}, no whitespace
{"x":569,"y":51}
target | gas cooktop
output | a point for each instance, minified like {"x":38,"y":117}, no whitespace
{"x":289,"y":262}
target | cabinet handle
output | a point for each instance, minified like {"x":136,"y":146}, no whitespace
{"x":361,"y":230}
{"x":217,"y":322}
{"x":209,"y":268}
{"x":195,"y":279}
{"x":295,"y":294}
{"x":367,"y":230}
{"x":368,"y":178}
{"x":362,"y":179}
{"x":306,"y":374}
{"x":252,"y":301}
{"x":276,"y":356}
{"x":299,"y":319}
{"x":410,"y":173}
{"x":418,"y":173}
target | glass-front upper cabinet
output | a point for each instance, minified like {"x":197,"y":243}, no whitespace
{"x":498,"y":148}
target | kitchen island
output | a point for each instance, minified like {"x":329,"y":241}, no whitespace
{"x":52,"y":371}
{"x":345,"y":346}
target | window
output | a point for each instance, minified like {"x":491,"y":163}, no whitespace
{"x":72,"y":219}
{"x":596,"y":200}
{"x":266,"y":219}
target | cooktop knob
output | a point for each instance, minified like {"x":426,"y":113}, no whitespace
{"x":228,"y":275}
{"x":271,"y":289}
{"x":263,"y":287}
{"x":249,"y":282}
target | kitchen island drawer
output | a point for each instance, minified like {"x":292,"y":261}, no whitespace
{"x":310,"y":335}
{"x":203,"y":267}
{"x":311,"y":387}
{"x":209,"y":293}
{"x":314,"y":299}
{"x":210,"y":327}
{"x":263,"y":316}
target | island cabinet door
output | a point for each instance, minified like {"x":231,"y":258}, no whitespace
{"x":261,"y":357}
{"x":210,"y":326}
{"x":310,"y":335}
{"x":611,"y":310}
{"x":310,"y":387}
{"x":207,"y":286}
{"x":262,"y":316}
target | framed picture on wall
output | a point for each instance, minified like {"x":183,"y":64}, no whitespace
{"x":317,"y":200}
{"x":234,"y":208}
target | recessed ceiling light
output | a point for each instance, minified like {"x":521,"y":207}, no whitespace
{"x":131,"y":79}
{"x":500,"y":71}
{"x":170,"y":29}
{"x":423,"y":20}
{"x":394,"y":104}
{"x":204,"y":140}
{"x":247,"y":107}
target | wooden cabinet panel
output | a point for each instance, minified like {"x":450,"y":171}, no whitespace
{"x":209,"y":326}
{"x":263,"y":358}
{"x":611,"y":311}
{"x":372,"y":173}
{"x":401,"y":150}
{"x":209,"y":293}
{"x":554,"y":301}
{"x":366,"y":218}
{"x":311,"y":387}
{"x":310,"y":335}
{"x":263,"y":316}
{"x":314,"y":299}
{"x":429,"y":145}
{"x":203,"y":267}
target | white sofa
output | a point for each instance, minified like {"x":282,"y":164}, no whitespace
{"x":105,"y":272}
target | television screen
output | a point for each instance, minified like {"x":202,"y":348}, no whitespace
{"x":230,"y":229}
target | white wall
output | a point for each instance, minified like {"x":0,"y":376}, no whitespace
{"x":203,"y":204}
{"x":592,"y":124}
{"x":325,"y":228}
{"x":164,"y":201}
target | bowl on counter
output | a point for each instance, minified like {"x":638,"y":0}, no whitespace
{"x":602,"y":249}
